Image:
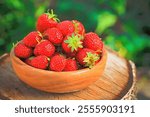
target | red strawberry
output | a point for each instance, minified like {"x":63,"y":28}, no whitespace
{"x":40,"y":62}
{"x":72,"y":43}
{"x":92,"y":41}
{"x":87,"y":57}
{"x":56,"y":53}
{"x":57,"y":63}
{"x":46,"y":20}
{"x":79,"y":28}
{"x":71,"y":65}
{"x":54,"y":35}
{"x":66,"y":27}
{"x":28,"y":60}
{"x":32,"y":39}
{"x":45,"y":47}
{"x":22,"y":51}
{"x":71,"y":55}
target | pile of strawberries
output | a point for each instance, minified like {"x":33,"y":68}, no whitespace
{"x":59,"y":46}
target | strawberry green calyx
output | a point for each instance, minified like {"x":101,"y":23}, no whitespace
{"x":74,"y":42}
{"x":15,"y":44}
{"x":51,"y":15}
{"x":91,"y":59}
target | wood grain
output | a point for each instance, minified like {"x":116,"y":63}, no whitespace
{"x":117,"y":82}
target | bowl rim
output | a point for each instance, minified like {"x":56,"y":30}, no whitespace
{"x":12,"y":56}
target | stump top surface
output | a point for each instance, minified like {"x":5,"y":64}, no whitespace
{"x":117,"y":82}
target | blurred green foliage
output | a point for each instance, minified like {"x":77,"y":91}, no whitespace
{"x":108,"y":18}
{"x":17,"y":18}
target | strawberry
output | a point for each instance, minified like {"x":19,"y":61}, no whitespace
{"x":46,"y":20}
{"x":54,"y":35}
{"x":72,"y":43}
{"x":71,"y":55}
{"x":71,"y":65}
{"x":22,"y":51}
{"x":57,"y":63}
{"x":87,"y":57}
{"x":40,"y":62}
{"x":79,"y":28}
{"x":32,"y":39}
{"x":28,"y":60}
{"x":66,"y":27}
{"x":92,"y":41}
{"x":45,"y":47}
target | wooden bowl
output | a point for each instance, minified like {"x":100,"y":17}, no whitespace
{"x":57,"y":82}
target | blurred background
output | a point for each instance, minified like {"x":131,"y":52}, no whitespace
{"x":123,"y":25}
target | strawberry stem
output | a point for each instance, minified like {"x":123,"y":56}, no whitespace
{"x":48,"y":59}
{"x":76,"y":26}
{"x":40,"y":34}
{"x":37,"y":40}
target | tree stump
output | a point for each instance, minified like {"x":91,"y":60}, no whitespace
{"x":119,"y":79}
